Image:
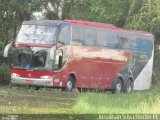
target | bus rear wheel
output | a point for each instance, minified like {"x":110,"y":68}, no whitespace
{"x":129,"y":86}
{"x":70,"y":84}
{"x":118,"y":86}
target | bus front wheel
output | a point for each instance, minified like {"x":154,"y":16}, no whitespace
{"x":70,"y":84}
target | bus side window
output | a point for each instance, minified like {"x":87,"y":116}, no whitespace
{"x":77,"y":36}
{"x":90,"y":37}
{"x":112,"y":41}
{"x":64,"y":36}
{"x":143,"y":45}
{"x":123,"y":42}
{"x":101,"y":38}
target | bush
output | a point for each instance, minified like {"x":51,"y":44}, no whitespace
{"x":156,"y":68}
{"x":1,"y":52}
{"x":4,"y":74}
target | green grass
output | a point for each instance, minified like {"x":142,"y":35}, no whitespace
{"x":21,"y":100}
{"x":138,"y":102}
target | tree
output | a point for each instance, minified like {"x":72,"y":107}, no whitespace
{"x":146,"y":18}
{"x":12,"y":13}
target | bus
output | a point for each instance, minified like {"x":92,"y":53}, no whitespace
{"x":75,"y":54}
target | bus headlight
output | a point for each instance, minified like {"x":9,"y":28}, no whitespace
{"x":15,"y":75}
{"x":45,"y":77}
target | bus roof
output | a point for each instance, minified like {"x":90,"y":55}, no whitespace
{"x":96,"y":24}
{"x":44,"y":22}
{"x":104,"y":25}
{"x":85,"y":23}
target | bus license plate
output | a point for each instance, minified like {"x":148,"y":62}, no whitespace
{"x":28,"y":81}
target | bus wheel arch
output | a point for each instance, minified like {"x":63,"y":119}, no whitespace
{"x":71,"y":82}
{"x":128,"y":88}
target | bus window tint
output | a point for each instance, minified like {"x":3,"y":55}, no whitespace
{"x":143,"y":45}
{"x":65,"y":35}
{"x":36,"y":34}
{"x":112,"y":40}
{"x":101,"y":39}
{"x":77,"y":35}
{"x":134,"y":43}
{"x":123,"y":42}
{"x":90,"y":37}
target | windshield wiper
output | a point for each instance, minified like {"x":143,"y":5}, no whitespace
{"x":19,"y":67}
{"x":40,"y":68}
{"x":61,"y":42}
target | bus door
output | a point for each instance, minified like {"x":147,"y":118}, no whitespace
{"x":62,"y":54}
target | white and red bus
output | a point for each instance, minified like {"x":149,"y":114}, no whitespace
{"x":79,"y":54}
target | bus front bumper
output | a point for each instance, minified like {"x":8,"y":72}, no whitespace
{"x":32,"y":81}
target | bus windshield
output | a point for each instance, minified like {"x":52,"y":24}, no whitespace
{"x":33,"y":58}
{"x":37,"y":34}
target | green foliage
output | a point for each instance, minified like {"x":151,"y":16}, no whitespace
{"x":12,"y":13}
{"x":4,"y":68}
{"x":4,"y":73}
{"x":1,"y":45}
{"x":156,"y":70}
{"x":99,"y":10}
{"x":147,"y":17}
{"x":1,"y":48}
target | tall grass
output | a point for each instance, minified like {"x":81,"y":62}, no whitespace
{"x":143,"y":102}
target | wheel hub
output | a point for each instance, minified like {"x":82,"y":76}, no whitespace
{"x":69,"y":84}
{"x":118,"y":87}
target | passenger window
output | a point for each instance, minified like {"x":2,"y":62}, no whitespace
{"x":90,"y":37}
{"x":101,"y":39}
{"x":123,"y":42}
{"x":143,"y":45}
{"x":77,"y":35}
{"x":65,"y":35}
{"x":112,"y":40}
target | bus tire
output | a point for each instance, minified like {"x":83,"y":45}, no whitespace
{"x":70,"y":84}
{"x":129,"y":86}
{"x":118,"y":86}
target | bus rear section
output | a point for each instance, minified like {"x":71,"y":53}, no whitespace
{"x":111,"y":58}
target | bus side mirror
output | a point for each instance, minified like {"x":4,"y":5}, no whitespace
{"x":52,"y":51}
{"x":6,"y":49}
